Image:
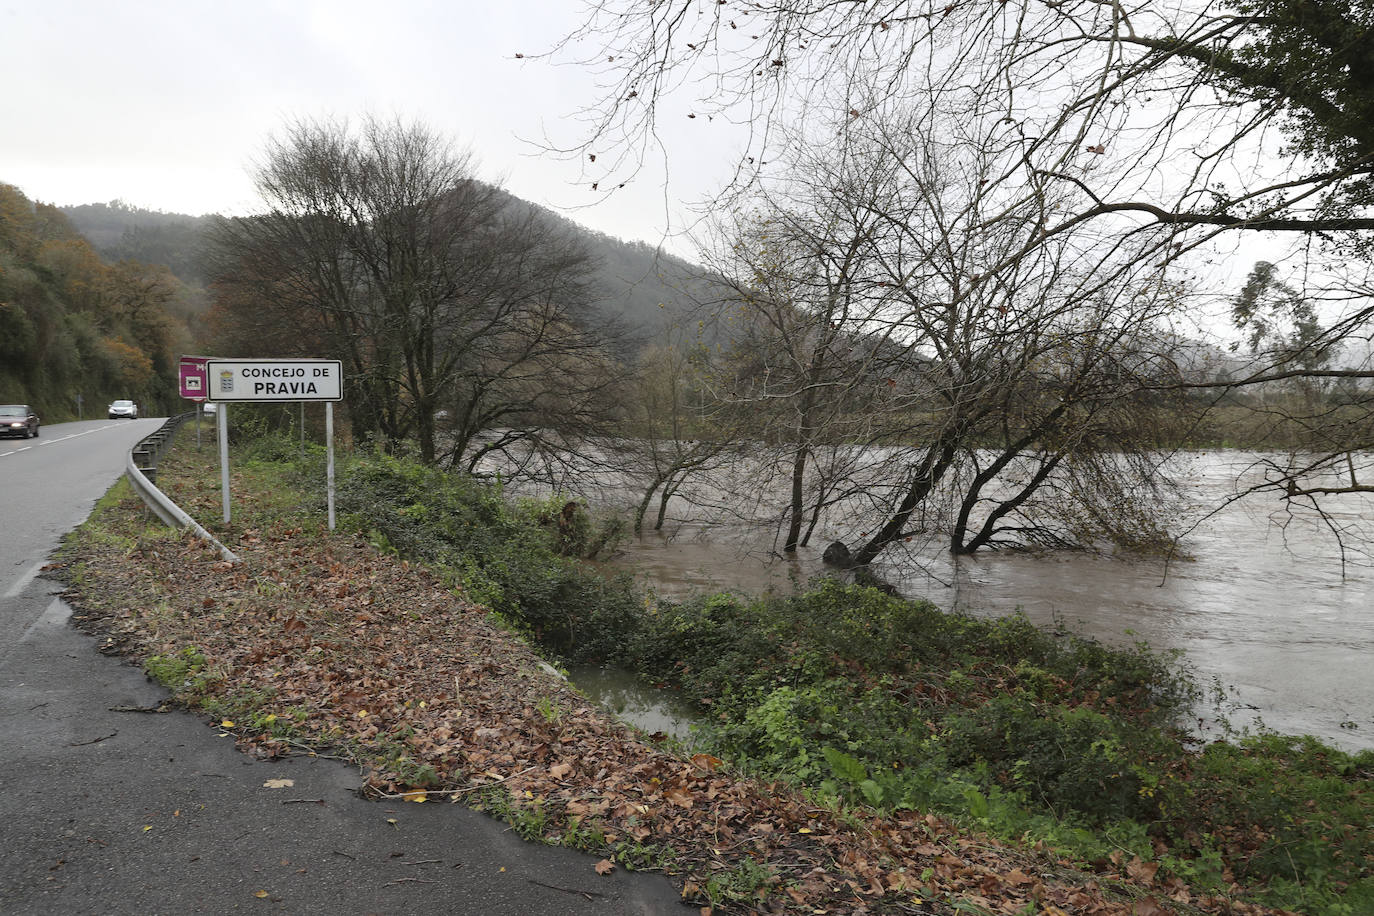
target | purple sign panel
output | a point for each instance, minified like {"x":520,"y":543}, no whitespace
{"x":191,"y":376}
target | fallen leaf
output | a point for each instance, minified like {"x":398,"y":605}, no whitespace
{"x":605,"y":867}
{"x":279,"y":784}
{"x":260,"y":894}
{"x":1142,"y":871}
{"x":706,"y":762}
{"x":416,"y":797}
{"x":226,"y":723}
{"x":1148,"y":906}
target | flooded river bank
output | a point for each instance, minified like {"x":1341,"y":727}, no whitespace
{"x":1261,"y":606}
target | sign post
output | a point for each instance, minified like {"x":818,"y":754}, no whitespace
{"x":222,"y":425}
{"x":273,"y":381}
{"x":329,"y":461}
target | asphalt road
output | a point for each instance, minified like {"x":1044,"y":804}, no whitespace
{"x":112,"y":812}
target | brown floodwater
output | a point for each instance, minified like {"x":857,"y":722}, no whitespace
{"x":1262,"y":606}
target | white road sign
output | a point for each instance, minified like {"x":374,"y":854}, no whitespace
{"x":274,"y":380}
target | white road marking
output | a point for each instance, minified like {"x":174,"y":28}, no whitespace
{"x":54,"y":613}
{"x":23,"y":581}
{"x":62,"y":439}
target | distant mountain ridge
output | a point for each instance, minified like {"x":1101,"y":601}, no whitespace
{"x":643,"y":287}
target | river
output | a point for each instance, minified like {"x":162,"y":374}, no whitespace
{"x":1262,"y":607}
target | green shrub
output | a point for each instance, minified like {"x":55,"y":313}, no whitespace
{"x":1289,"y":811}
{"x":511,"y":558}
{"x":1070,"y":760}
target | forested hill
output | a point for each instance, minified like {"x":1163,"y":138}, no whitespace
{"x":642,"y":287}
{"x":76,"y":330}
{"x":120,"y":232}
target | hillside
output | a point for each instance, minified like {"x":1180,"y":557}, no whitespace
{"x":76,"y":330}
{"x":642,"y":287}
{"x":120,"y":231}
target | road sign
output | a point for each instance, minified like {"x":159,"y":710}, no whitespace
{"x":191,"y":377}
{"x":269,"y":380}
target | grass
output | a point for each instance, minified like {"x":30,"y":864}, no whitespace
{"x":892,"y":705}
{"x":866,"y":704}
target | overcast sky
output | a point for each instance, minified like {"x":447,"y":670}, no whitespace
{"x":166,"y":105}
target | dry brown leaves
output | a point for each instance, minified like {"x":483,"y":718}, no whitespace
{"x":371,"y":654}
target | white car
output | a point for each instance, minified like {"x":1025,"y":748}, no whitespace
{"x":120,"y":409}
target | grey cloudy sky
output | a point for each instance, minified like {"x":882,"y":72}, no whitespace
{"x":165,"y":105}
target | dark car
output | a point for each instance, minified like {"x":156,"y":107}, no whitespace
{"x":18,"y":420}
{"x":126,"y":409}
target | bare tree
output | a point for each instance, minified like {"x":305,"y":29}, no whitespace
{"x":1155,"y":128}
{"x":891,"y":298}
{"x":676,"y":432}
{"x":438,"y":291}
{"x":1134,"y":84}
{"x":809,"y":355}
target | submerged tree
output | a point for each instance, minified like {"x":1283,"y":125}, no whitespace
{"x":678,"y":431}
{"x":897,"y":300}
{"x":1156,"y":128}
{"x":810,"y":360}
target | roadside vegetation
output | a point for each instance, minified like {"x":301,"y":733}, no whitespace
{"x":856,"y":751}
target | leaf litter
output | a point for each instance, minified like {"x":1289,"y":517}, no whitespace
{"x":326,"y":646}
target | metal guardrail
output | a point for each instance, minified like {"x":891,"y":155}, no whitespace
{"x":141,"y":469}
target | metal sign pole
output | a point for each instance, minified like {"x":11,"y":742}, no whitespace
{"x":329,"y":463}
{"x":222,"y":422}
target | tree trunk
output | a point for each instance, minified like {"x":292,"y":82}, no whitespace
{"x":668,"y":490}
{"x":794,"y":521}
{"x":959,"y":546}
{"x":648,"y":497}
{"x":933,"y":466}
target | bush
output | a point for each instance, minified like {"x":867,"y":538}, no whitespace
{"x":1070,"y":760}
{"x":1290,"y":811}
{"x":889,"y":703}
{"x":514,"y":558}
